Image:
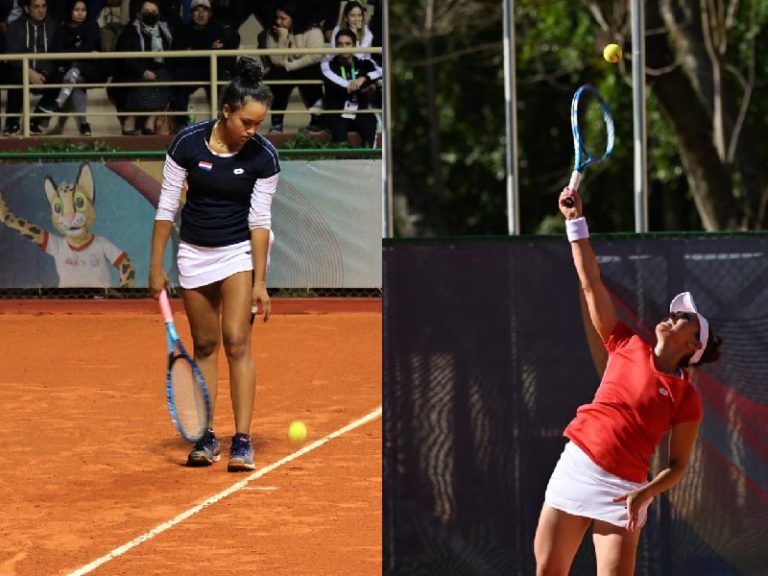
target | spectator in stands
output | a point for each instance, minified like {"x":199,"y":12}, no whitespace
{"x":353,"y":18}
{"x":147,"y":33}
{"x":291,"y":30}
{"x":371,"y":17}
{"x":31,"y":33}
{"x":645,"y":393}
{"x":202,"y":33}
{"x":314,"y":11}
{"x":78,"y":34}
{"x":349,"y":83}
{"x":170,"y":11}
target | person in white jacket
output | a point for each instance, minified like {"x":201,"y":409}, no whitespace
{"x":353,"y":18}
{"x":293,"y":31}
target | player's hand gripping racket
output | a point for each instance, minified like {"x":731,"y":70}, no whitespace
{"x":187,"y":393}
{"x":593,"y":135}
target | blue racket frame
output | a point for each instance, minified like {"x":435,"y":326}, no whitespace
{"x":582,"y":158}
{"x":175,"y":344}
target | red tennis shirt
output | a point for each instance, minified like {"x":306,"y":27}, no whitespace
{"x":635,"y":405}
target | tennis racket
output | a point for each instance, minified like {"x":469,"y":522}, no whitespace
{"x":593,"y":133}
{"x":188,"y":399}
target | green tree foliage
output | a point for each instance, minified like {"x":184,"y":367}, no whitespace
{"x":706,"y":73}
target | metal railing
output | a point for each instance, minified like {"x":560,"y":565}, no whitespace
{"x":213,"y":55}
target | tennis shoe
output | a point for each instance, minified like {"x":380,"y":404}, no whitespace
{"x":206,"y":450}
{"x":241,"y":454}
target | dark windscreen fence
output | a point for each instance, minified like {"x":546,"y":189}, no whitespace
{"x":487,"y":355}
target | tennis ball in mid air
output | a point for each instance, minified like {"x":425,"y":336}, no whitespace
{"x":612,"y":53}
{"x":297,"y":431}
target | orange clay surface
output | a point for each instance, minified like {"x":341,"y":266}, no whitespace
{"x":90,"y":461}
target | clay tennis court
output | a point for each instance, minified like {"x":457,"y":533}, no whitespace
{"x":93,"y":478}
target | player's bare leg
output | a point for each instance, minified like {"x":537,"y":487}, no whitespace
{"x":558,"y":537}
{"x":202,"y":308}
{"x":236,"y":330}
{"x":615,"y":548}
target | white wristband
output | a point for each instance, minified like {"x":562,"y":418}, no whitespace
{"x":576,"y":229}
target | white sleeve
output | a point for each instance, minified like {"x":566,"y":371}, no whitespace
{"x":170,"y":191}
{"x":376,"y":73}
{"x":325,"y":68}
{"x":260,"y":215}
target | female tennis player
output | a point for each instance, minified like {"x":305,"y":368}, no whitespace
{"x":645,"y":392}
{"x":231,"y":173}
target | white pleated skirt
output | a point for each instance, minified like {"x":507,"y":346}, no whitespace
{"x":580,"y":487}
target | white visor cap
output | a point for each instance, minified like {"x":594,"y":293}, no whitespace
{"x":683,"y":302}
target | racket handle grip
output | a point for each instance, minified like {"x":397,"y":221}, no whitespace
{"x":575,"y":181}
{"x":165,"y":306}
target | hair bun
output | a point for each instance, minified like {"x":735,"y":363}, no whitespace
{"x":249,"y":70}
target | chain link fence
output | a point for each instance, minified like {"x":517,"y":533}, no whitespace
{"x":486,"y":360}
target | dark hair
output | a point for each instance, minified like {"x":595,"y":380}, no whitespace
{"x":155,"y":2}
{"x":301,"y":22}
{"x":711,"y":352}
{"x":246,"y":85}
{"x":345,"y":32}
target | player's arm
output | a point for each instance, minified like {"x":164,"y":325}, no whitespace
{"x":260,"y":252}
{"x":260,"y":223}
{"x":602,"y":312}
{"x":161,"y":231}
{"x":682,"y":439}
{"x":174,"y":182}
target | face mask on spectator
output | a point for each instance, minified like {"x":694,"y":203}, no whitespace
{"x":149,"y":18}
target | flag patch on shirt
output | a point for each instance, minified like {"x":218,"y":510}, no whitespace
{"x":203,"y":165}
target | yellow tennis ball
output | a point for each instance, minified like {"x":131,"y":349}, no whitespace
{"x":612,"y":53}
{"x":297,"y":431}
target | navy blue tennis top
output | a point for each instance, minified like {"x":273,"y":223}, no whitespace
{"x":219,"y":187}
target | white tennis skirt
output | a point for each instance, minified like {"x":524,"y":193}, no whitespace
{"x":200,"y":266}
{"x":580,"y":487}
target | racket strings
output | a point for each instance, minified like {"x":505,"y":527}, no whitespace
{"x":189,"y":400}
{"x":593,"y":127}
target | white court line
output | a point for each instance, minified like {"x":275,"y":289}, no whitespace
{"x":120,"y":550}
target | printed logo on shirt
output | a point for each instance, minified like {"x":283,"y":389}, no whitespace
{"x":203,"y":165}
{"x":238,"y":171}
{"x":663,"y":391}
